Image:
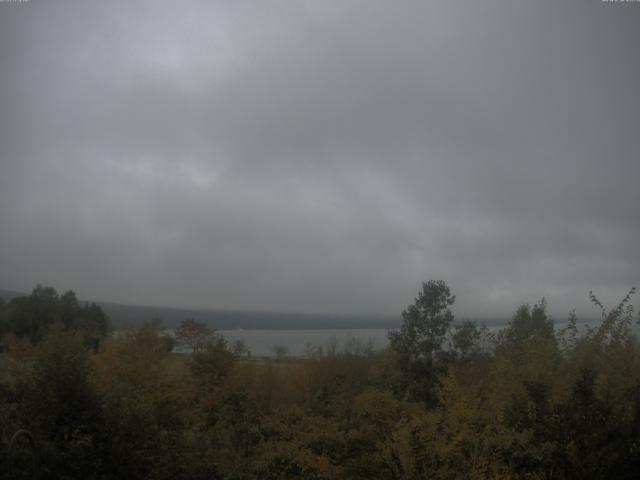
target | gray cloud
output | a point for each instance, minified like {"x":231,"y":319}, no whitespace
{"x":324,"y":157}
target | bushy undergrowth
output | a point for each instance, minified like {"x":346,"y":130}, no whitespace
{"x":444,"y":401}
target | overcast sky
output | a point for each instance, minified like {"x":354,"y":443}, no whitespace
{"x":321,"y":156}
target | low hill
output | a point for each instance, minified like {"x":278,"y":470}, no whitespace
{"x":7,"y":295}
{"x":123,"y":315}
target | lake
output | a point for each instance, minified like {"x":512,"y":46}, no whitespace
{"x":297,"y":342}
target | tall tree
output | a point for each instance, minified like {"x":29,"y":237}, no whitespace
{"x":33,"y":316}
{"x":419,"y":341}
{"x":529,"y":322}
{"x":193,"y":335}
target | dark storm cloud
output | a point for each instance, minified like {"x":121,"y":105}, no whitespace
{"x":321,"y":157}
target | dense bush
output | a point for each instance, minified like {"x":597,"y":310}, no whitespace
{"x":444,"y":401}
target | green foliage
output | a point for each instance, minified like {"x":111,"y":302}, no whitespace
{"x":213,"y":362}
{"x":444,"y":401}
{"x":425,"y":324}
{"x":48,"y":390}
{"x":33,"y":316}
{"x":419,"y":341}
{"x":528,"y":322}
{"x":428,"y":342}
{"x":145,"y":392}
{"x":467,"y":340}
{"x":193,"y":335}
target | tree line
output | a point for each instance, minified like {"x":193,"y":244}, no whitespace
{"x":444,"y":400}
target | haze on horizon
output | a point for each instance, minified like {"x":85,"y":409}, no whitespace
{"x":321,"y":157}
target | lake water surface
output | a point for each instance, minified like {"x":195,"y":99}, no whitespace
{"x":298,"y":342}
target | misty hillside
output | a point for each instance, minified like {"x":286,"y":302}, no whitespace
{"x":7,"y":295}
{"x":123,"y":315}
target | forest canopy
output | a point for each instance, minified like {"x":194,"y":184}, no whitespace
{"x":444,"y":400}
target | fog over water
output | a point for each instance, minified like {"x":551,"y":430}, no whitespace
{"x":321,"y":157}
